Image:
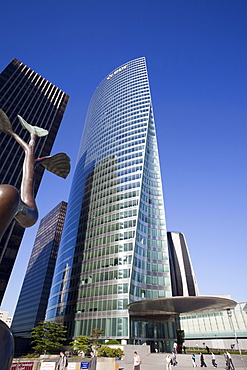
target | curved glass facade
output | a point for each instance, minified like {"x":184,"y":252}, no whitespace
{"x":114,"y":244}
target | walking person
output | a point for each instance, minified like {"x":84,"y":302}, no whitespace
{"x":174,"y":359}
{"x":62,"y":363}
{"x":137,"y":361}
{"x":229,"y":361}
{"x":175,"y":347}
{"x":213,"y":360}
{"x":203,"y":364}
{"x":193,"y":358}
{"x":168,"y":362}
{"x":93,"y":361}
{"x":226,"y":360}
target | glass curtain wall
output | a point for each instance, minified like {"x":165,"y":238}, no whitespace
{"x":114,"y":247}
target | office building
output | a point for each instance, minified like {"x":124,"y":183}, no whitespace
{"x":4,"y":316}
{"x":32,"y":302}
{"x":40,"y":103}
{"x":114,"y":246}
{"x":217,"y":330}
{"x":182,"y":274}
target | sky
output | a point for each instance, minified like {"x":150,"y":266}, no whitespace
{"x":196,"y":52}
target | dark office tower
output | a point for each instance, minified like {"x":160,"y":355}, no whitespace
{"x":40,"y":103}
{"x":182,"y":273}
{"x":114,"y":245}
{"x":32,"y":303}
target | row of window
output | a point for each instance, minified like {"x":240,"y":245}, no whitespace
{"x":148,"y":230}
{"x":113,"y":327}
{"x":104,"y":290}
{"x":130,"y":163}
{"x":113,"y":238}
{"x":149,"y":293}
{"x":150,"y":266}
{"x":143,"y":240}
{"x":151,"y":220}
{"x":110,"y":228}
{"x":136,"y":176}
{"x":106,"y":262}
{"x":105,"y":251}
{"x":122,"y":124}
{"x":152,"y":167}
{"x":150,"y":174}
{"x":151,"y":254}
{"x":150,"y":279}
{"x":109,"y":275}
{"x":152,"y":192}
{"x":112,"y":203}
{"x":114,"y":207}
{"x":103,"y":177}
{"x":129,"y":186}
{"x":151,"y":182}
{"x":112,"y":217}
{"x":115,"y":112}
{"x":130,"y":156}
{"x":110,"y":149}
{"x":109,"y":305}
{"x":151,"y":210}
{"x":121,"y":108}
{"x":110,"y":168}
{"x":130,"y":170}
{"x":151,"y":201}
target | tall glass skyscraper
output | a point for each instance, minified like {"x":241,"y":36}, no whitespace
{"x":114,"y":245}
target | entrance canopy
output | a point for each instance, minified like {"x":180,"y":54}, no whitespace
{"x":167,"y":309}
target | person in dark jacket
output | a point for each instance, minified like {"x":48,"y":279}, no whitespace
{"x":202,"y":360}
{"x":93,"y":361}
{"x":62,"y":363}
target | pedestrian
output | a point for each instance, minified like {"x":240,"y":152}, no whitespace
{"x":137,"y":361}
{"x":229,"y":361}
{"x":202,"y":360}
{"x":174,"y":359}
{"x":175,"y":347}
{"x":213,"y":360}
{"x":62,"y":363}
{"x":226,"y":360}
{"x":93,"y":361}
{"x":168,"y":362}
{"x":194,"y":360}
{"x":184,"y":348}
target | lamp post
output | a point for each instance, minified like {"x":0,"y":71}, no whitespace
{"x":229,"y":313}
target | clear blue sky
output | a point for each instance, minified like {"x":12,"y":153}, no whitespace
{"x":196,"y":53}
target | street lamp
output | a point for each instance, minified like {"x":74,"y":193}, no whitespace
{"x":229,"y":313}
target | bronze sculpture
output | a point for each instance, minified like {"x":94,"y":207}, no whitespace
{"x":20,"y":205}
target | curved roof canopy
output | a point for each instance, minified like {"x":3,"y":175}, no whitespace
{"x":166,"y":309}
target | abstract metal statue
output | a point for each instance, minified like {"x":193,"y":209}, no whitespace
{"x":7,"y":346}
{"x":20,"y":205}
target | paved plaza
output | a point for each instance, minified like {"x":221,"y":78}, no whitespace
{"x":156,"y":361}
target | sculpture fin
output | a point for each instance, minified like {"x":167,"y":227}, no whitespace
{"x":32,"y":129}
{"x":59,"y":164}
{"x":5,"y":124}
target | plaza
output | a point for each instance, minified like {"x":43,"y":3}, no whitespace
{"x":157,"y":361}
